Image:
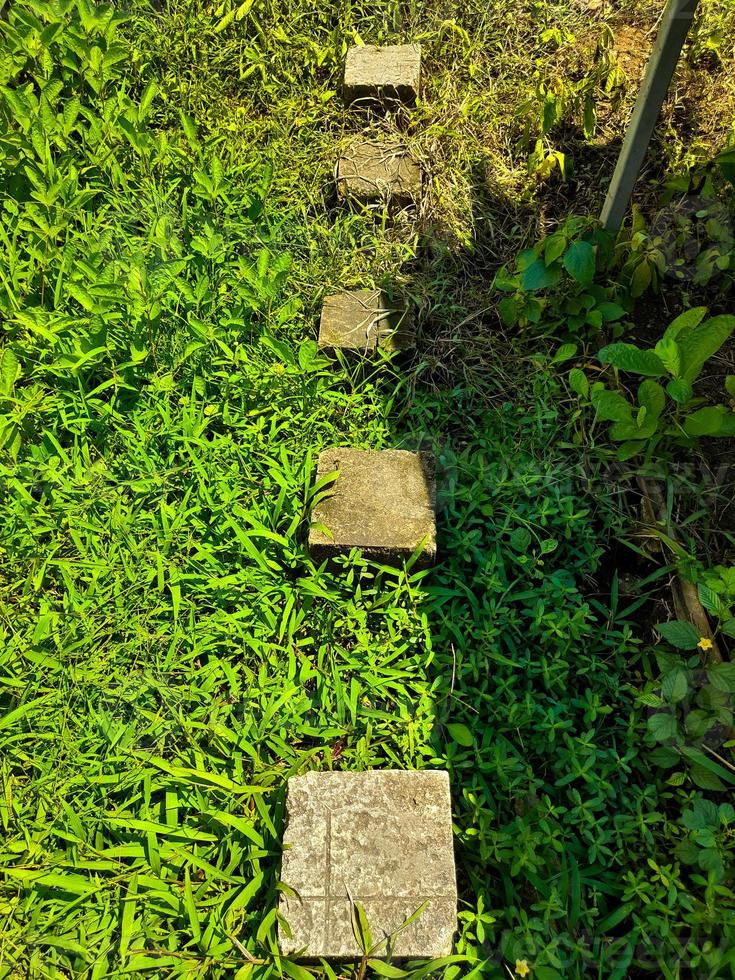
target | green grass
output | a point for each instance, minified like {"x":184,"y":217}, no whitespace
{"x":169,"y":654}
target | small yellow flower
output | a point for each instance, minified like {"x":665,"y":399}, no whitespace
{"x":705,"y":643}
{"x":522,"y":968}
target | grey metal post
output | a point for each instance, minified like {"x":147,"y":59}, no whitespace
{"x":675,"y":23}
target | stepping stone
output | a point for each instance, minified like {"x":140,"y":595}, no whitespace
{"x":382,"y":75}
{"x":372,"y":171}
{"x":382,"y":839}
{"x":364,"y":320}
{"x":382,"y":503}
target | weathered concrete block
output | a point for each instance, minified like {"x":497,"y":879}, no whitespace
{"x":382,"y":502}
{"x":386,"y":76}
{"x":364,"y":319}
{"x":383,"y":170}
{"x":383,"y":839}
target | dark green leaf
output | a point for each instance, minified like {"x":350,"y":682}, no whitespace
{"x":578,"y":382}
{"x":611,"y":312}
{"x":708,"y":421}
{"x":461,"y":734}
{"x":652,"y":397}
{"x":685,"y":322}
{"x":612,"y":406}
{"x":634,"y":360}
{"x":679,"y":390}
{"x":698,"y":345}
{"x":674,"y":686}
{"x":726,"y":163}
{"x":579,"y":261}
{"x":679,"y":634}
{"x":662,"y":726}
{"x":554,"y":248}
{"x":722,"y":676}
{"x":564,"y":353}
{"x":538,"y":276}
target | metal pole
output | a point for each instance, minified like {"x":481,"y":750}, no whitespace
{"x":675,"y":23}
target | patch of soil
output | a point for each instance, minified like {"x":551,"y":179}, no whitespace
{"x":632,"y":49}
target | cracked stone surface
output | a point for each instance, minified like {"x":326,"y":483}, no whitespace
{"x":373,"y":171}
{"x":363,"y":319}
{"x":382,"y":75}
{"x":382,"y":839}
{"x":383,"y":502}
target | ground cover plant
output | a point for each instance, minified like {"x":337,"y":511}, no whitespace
{"x":169,"y":654}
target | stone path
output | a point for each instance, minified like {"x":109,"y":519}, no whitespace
{"x":383,"y":502}
{"x":386,"y":76}
{"x":382,"y":839}
{"x":372,"y":844}
{"x":379,"y":170}
{"x":363,"y":320}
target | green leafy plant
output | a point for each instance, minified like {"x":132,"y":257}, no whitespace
{"x":726,"y":163}
{"x":555,"y":286}
{"x":716,"y":588}
{"x":698,"y":242}
{"x":662,"y":413}
{"x":558,"y":99}
{"x":642,"y":257}
{"x":692,"y":708}
{"x":710,"y":839}
{"x":544,"y":160}
{"x":690,"y":238}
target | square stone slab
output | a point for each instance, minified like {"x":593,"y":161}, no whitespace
{"x":363,"y":319}
{"x":385,"y":76}
{"x":373,"y":171}
{"x":381,"y":838}
{"x":382,"y":502}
